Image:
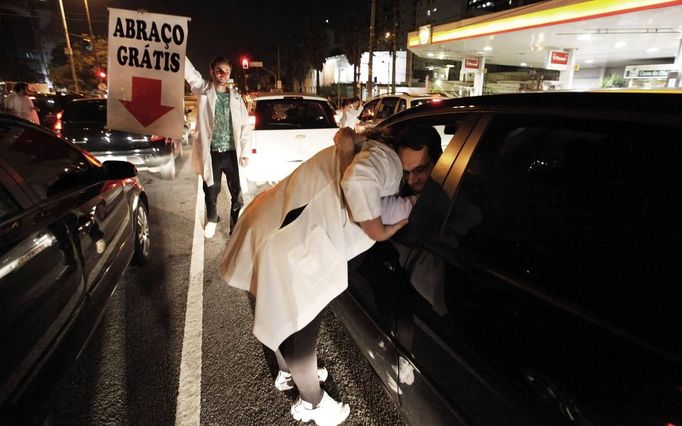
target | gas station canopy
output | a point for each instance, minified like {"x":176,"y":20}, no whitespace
{"x":601,"y":33}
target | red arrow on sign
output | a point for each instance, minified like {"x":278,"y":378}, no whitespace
{"x":146,"y":103}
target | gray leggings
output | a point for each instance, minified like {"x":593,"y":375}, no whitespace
{"x":298,"y":355}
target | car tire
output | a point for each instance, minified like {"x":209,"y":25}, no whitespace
{"x":143,"y":243}
{"x":167,"y":170}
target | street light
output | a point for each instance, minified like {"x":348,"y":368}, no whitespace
{"x":68,"y":51}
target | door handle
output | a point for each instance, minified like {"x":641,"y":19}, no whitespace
{"x":85,"y":223}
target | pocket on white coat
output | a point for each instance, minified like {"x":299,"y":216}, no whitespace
{"x":316,"y":257}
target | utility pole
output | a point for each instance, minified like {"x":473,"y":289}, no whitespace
{"x":393,"y":47}
{"x":278,"y":81}
{"x":371,"y":49}
{"x":68,"y":51}
{"x":87,"y":13}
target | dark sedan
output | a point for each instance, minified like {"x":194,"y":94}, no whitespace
{"x":49,"y":106}
{"x":538,"y":279}
{"x":69,"y":226}
{"x":84,"y":122}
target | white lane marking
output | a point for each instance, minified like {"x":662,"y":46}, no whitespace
{"x":188,"y":407}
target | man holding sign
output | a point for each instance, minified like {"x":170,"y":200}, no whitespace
{"x":223,"y":135}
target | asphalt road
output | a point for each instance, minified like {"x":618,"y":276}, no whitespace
{"x":130,"y":371}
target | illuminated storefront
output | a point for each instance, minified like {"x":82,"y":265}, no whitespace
{"x":586,"y":44}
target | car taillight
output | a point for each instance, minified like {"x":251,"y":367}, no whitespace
{"x":154,"y":138}
{"x":58,"y":123}
{"x":435,"y":101}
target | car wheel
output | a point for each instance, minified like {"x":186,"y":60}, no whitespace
{"x":168,"y":170}
{"x":143,"y":242}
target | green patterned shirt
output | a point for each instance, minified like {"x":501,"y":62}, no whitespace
{"x":222,"y":129}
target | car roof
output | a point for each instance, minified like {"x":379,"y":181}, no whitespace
{"x":274,"y":95}
{"x":664,"y":105}
{"x":410,"y":96}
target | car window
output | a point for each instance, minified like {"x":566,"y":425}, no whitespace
{"x":47,"y":164}
{"x":286,"y":113}
{"x":368,"y":110}
{"x":387,"y":107}
{"x":402,"y":105}
{"x":85,"y":111}
{"x":580,"y":209}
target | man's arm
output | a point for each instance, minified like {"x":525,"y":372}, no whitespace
{"x":193,"y":78}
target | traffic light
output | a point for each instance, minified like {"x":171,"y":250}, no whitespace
{"x":101,"y":73}
{"x":245,"y":63}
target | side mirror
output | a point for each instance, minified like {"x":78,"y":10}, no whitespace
{"x":118,"y":170}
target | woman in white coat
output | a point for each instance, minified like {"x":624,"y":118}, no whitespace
{"x":290,"y":250}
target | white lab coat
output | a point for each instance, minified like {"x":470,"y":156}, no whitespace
{"x":201,"y":146}
{"x":296,"y":270}
{"x":21,"y":106}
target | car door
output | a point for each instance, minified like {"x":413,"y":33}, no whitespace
{"x":367,"y":309}
{"x":544,"y":301}
{"x":65,"y":182}
{"x":42,"y":286}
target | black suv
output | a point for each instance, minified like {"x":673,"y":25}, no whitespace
{"x":83,"y":123}
{"x":69,"y":226}
{"x":538,"y":280}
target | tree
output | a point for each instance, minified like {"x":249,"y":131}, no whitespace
{"x":87,"y":63}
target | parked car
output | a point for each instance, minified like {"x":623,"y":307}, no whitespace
{"x":287,"y":130}
{"x":83,"y":122}
{"x":69,"y":226}
{"x":537,"y":281}
{"x":50,"y":105}
{"x":380,"y":108}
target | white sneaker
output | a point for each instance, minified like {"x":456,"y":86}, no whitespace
{"x":327,"y":413}
{"x":284,"y":382}
{"x":209,"y":229}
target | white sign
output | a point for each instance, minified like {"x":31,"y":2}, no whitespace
{"x":146,"y":72}
{"x":425,"y":34}
{"x":657,"y":71}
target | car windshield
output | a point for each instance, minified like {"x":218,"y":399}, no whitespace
{"x":86,"y":111}
{"x":293,"y":113}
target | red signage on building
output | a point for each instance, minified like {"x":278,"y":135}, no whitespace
{"x":558,"y":58}
{"x":472,"y":63}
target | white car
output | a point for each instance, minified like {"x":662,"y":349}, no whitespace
{"x":380,"y":108}
{"x":287,"y":130}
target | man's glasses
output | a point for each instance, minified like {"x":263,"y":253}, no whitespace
{"x":419,"y":170}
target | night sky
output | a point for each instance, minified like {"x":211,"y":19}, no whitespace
{"x":230,"y":28}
